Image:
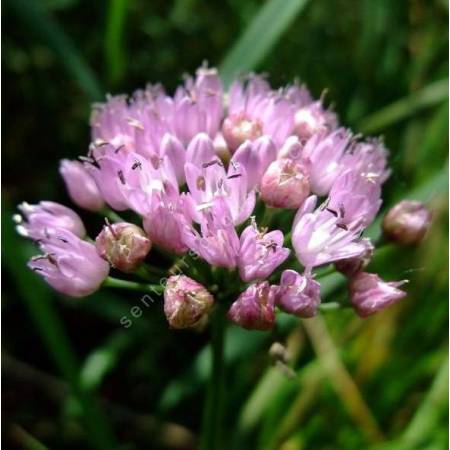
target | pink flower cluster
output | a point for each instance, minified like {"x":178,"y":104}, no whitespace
{"x":195,"y":166}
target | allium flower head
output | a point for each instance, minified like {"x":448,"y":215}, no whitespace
{"x":199,"y":167}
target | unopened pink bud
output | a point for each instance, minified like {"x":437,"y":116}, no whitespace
{"x":186,"y":302}
{"x":238,"y":128}
{"x":254,"y":308}
{"x":407,"y":222}
{"x":369,"y":293}
{"x":123,"y":245}
{"x":285,"y":184}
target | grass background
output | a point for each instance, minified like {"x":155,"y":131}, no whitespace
{"x":74,"y":378}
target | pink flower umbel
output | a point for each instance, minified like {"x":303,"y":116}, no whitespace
{"x":41,"y":221}
{"x":123,"y":245}
{"x":370,"y":294}
{"x":254,"y":308}
{"x":81,"y":185}
{"x":407,"y":222}
{"x":197,"y":167}
{"x":298,"y":295}
{"x":185,"y":301}
{"x":260,"y":253}
{"x":70,"y":265}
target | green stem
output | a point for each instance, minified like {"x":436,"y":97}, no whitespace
{"x":132,"y":285}
{"x":268,"y":216}
{"x":330,"y":306}
{"x":212,"y":438}
{"x":111,"y":215}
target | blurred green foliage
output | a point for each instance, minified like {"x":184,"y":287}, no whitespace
{"x":75,"y":378}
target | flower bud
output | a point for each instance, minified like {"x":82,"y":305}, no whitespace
{"x":254,"y":309}
{"x":81,"y":186}
{"x":123,"y":245}
{"x":351,"y":266}
{"x":238,"y":128}
{"x":46,"y":218}
{"x":407,"y":222}
{"x":186,"y":302}
{"x":369,"y":293}
{"x":298,"y":295}
{"x":285,"y":184}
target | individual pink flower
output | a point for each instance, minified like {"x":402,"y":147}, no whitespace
{"x":81,"y":185}
{"x":312,"y":119}
{"x":319,"y":237}
{"x":123,"y":245}
{"x":285,"y":184}
{"x":255,"y":110}
{"x":370,"y":294}
{"x":106,"y":165}
{"x":407,"y":222}
{"x":110,"y":123}
{"x":298,"y":294}
{"x":254,"y":309}
{"x":41,"y":221}
{"x":326,"y":153}
{"x":256,"y":157}
{"x":185,"y":301}
{"x":70,"y":265}
{"x":208,"y":180}
{"x":355,"y":197}
{"x":198,"y":105}
{"x":217,"y":241}
{"x":260,"y":253}
{"x":369,"y":158}
{"x":162,"y":222}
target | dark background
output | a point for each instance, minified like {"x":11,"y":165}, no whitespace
{"x":72,"y":376}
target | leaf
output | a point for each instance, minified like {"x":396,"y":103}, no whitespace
{"x":114,"y":35}
{"x":431,"y":95}
{"x":260,"y":37}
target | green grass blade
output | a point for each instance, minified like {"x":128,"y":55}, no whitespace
{"x":115,"y":55}
{"x":48,"y":31}
{"x":430,"y":95}
{"x":260,"y":37}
